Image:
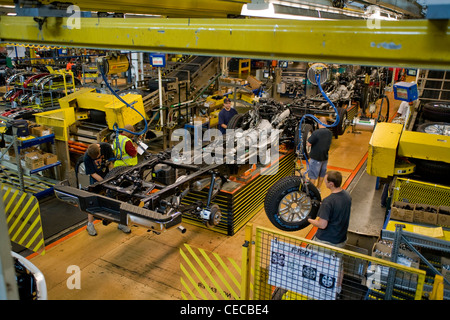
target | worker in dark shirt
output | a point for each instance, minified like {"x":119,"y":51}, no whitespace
{"x":225,"y":115}
{"x":320,"y":142}
{"x":333,"y":219}
{"x":98,"y":160}
{"x":333,"y":216}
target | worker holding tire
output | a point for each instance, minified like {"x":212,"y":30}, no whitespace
{"x":125,"y":149}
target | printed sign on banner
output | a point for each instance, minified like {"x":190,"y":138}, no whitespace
{"x":306,"y":271}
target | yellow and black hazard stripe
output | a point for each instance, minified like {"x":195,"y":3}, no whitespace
{"x":240,"y":205}
{"x":23,"y":218}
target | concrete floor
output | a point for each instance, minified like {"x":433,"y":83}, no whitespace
{"x":143,"y":265}
{"x":146,"y":266}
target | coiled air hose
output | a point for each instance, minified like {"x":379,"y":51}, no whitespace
{"x":299,"y":146}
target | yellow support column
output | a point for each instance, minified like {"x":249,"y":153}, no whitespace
{"x":438,"y":288}
{"x":246,"y":262}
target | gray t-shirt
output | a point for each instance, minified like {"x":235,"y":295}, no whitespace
{"x":336,"y":210}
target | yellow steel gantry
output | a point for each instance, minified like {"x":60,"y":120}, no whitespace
{"x":405,"y":43}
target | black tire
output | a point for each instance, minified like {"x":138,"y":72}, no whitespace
{"x":441,"y":128}
{"x":239,"y":121}
{"x":234,"y":121}
{"x":116,"y":171}
{"x":436,"y":111}
{"x":289,"y":191}
{"x":432,"y":171}
{"x":307,"y":131}
{"x":342,"y":124}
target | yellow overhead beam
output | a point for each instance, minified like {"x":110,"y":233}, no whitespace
{"x":404,"y":43}
{"x":169,"y":8}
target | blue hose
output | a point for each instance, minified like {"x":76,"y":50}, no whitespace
{"x":116,"y":126}
{"x":317,"y":77}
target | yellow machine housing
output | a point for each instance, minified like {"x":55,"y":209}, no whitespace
{"x":390,"y":145}
{"x":383,"y":149}
{"x":114,"y":65}
{"x":116,"y":112}
{"x":426,"y":146}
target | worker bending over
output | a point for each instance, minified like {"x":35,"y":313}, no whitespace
{"x":98,"y":162}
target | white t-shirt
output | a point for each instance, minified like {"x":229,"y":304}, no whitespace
{"x":403,"y":109}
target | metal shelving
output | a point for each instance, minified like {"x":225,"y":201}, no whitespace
{"x":19,"y":145}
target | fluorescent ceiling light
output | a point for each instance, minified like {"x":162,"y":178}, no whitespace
{"x":269,"y":12}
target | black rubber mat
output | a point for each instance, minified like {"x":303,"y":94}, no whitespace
{"x":57,"y":216}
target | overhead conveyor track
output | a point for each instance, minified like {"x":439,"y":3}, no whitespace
{"x":190,"y":68}
{"x":405,"y":43}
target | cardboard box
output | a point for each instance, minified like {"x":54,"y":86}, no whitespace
{"x":381,"y":251}
{"x":443,"y":216}
{"x":40,"y":131}
{"x":402,"y":211}
{"x":49,"y":158}
{"x":201,"y":119}
{"x":254,"y":83}
{"x":34,"y":160}
{"x":425,"y":213}
{"x":384,"y":252}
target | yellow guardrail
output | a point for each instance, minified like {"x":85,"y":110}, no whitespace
{"x":288,"y":267}
{"x":278,"y":266}
{"x":413,"y":191}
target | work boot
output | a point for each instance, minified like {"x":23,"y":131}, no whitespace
{"x":91,"y":229}
{"x":124,"y":228}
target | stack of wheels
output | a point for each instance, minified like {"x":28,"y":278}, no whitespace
{"x":437,"y":171}
{"x":436,"y":111}
{"x":288,"y":206}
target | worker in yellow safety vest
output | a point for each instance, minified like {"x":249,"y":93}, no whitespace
{"x":126,"y":150}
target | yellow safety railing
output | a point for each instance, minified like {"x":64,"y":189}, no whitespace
{"x":279,"y":266}
{"x":413,"y":191}
{"x":294,"y":268}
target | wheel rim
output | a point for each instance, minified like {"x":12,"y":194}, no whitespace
{"x":343,"y":123}
{"x":307,"y":147}
{"x":442,"y":129}
{"x":294,"y":207}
